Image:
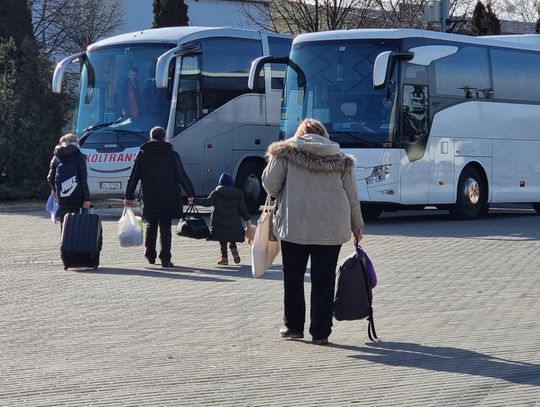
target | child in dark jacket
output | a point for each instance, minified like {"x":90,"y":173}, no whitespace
{"x":226,"y":224}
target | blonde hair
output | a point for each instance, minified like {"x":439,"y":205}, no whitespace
{"x":68,"y":138}
{"x":311,"y":126}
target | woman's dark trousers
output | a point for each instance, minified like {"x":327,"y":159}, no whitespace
{"x":164,"y":234}
{"x":323,"y":276}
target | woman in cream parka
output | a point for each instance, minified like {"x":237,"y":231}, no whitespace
{"x":317,"y":209}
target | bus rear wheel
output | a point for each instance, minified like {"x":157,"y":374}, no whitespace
{"x":248,"y":179}
{"x":536,"y":206}
{"x":471,"y":195}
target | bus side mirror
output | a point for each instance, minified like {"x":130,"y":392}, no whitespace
{"x":162,"y":67}
{"x":164,"y":61}
{"x":258,"y":64}
{"x":384,"y":65}
{"x":60,"y":69}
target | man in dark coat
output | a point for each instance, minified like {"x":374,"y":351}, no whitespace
{"x":162,"y":177}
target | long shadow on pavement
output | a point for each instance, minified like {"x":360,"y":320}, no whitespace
{"x":191,"y":273}
{"x":447,"y":359}
{"x":157,"y":272}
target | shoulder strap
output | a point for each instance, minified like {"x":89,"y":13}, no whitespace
{"x":372,"y":334}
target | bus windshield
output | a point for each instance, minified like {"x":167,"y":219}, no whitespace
{"x":332,"y":82}
{"x":118,"y":86}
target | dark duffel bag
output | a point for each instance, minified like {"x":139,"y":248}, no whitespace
{"x":82,"y":238}
{"x":354,"y":297}
{"x":192,"y":225}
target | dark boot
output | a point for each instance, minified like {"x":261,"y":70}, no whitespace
{"x":234,"y":251}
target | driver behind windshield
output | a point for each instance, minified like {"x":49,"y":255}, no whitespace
{"x":130,"y":95}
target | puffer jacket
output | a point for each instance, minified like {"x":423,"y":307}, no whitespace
{"x":317,"y":201}
{"x":70,"y":152}
{"x":229,"y":210}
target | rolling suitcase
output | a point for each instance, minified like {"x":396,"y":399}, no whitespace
{"x":81,"y":240}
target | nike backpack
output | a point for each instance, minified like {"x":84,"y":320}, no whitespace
{"x":68,"y":185}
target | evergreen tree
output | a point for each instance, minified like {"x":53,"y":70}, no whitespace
{"x":170,"y":13}
{"x":15,"y":20}
{"x":478,"y":18}
{"x":31,"y":117}
{"x":484,"y":20}
{"x":492,"y":23}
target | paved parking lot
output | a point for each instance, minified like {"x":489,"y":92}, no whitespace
{"x":457,"y":307}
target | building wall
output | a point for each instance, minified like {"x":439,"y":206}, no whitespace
{"x":206,"y":13}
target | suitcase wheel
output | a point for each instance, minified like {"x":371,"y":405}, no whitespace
{"x":65,"y":268}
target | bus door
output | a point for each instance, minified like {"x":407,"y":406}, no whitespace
{"x":188,"y":111}
{"x":414,"y":117}
{"x":231,"y":114}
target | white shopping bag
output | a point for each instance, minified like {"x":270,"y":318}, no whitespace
{"x":130,"y":229}
{"x":263,"y":250}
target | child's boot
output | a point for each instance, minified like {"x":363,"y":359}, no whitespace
{"x":235,"y":254}
{"x":223,"y":261}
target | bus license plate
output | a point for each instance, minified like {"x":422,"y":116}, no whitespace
{"x":110,"y":185}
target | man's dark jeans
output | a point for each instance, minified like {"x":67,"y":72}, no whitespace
{"x":164,"y":234}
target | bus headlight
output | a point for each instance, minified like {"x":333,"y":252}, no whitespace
{"x":379,"y":174}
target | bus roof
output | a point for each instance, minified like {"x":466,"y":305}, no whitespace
{"x":174,"y":35}
{"x":531,"y":42}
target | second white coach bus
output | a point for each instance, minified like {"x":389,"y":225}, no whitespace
{"x":191,"y":81}
{"x":432,"y":118}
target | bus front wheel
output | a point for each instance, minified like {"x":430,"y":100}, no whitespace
{"x":371,"y":212}
{"x":471,"y":195}
{"x":248,"y":179}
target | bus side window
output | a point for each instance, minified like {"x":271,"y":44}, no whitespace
{"x":225,"y":73}
{"x":415,"y":115}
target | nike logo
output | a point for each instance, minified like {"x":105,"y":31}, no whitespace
{"x":68,"y":186}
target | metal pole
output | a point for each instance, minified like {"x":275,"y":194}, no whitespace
{"x":444,"y":14}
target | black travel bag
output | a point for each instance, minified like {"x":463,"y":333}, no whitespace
{"x":353,"y":299}
{"x":82,"y":238}
{"x":192,"y":225}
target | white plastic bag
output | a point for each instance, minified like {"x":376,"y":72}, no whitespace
{"x":130,"y":229}
{"x":263,"y":250}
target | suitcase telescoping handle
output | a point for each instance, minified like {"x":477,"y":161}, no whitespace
{"x":84,"y":210}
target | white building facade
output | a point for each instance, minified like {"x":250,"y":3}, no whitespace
{"x":205,"y":13}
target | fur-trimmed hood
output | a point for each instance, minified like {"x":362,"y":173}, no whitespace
{"x":313,"y":152}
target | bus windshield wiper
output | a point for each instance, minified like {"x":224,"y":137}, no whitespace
{"x":90,"y":129}
{"x":350,"y":138}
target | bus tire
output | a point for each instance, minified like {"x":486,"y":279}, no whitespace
{"x":248,"y":180}
{"x":471,"y":195}
{"x":536,"y":206}
{"x":370,"y":211}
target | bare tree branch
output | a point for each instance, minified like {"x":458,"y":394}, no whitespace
{"x":68,"y":26}
{"x":300,"y":16}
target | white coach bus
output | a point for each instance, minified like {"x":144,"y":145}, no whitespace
{"x":432,"y":118}
{"x":191,"y":81}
